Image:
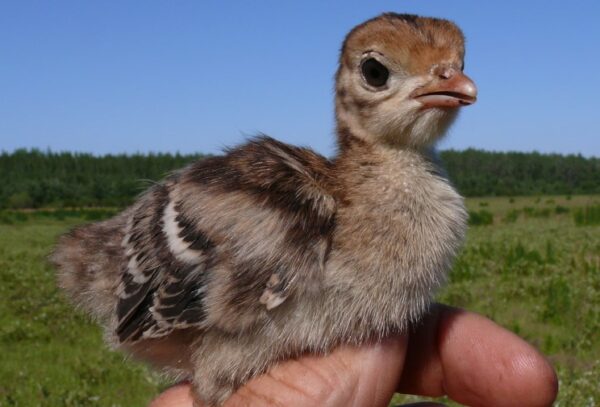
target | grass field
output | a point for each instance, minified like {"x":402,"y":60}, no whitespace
{"x":531,"y":264}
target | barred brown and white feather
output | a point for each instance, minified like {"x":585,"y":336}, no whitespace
{"x":162,"y":285}
{"x":216,"y":248}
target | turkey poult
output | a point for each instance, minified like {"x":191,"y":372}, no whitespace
{"x":270,"y":251}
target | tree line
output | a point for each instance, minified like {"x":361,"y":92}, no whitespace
{"x":484,"y":173}
{"x":36,"y":179}
{"x":39,"y":179}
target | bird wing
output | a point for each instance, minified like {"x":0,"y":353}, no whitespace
{"x":154,"y":294}
{"x":226,"y":240}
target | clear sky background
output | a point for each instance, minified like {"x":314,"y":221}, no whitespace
{"x":194,"y":76}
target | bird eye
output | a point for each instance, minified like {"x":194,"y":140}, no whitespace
{"x":374,"y":72}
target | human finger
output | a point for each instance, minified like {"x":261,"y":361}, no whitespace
{"x":475,"y":362}
{"x":348,"y":376}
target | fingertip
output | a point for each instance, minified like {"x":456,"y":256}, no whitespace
{"x":485,"y":364}
{"x":540,"y":379}
{"x":549,"y":383}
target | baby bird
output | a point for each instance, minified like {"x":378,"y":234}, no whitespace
{"x":271,"y":251}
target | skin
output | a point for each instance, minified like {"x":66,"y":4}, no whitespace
{"x":453,"y":352}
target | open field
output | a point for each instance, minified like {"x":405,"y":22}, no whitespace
{"x":538,"y":274}
{"x":531,"y":264}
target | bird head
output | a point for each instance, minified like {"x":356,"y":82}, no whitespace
{"x":400,"y":80}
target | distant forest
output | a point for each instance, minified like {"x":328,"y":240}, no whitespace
{"x":36,"y":179}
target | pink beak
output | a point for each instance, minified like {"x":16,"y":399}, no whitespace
{"x":451,"y":89}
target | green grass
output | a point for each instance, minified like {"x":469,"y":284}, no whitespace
{"x":52,"y":355}
{"x":590,"y":215}
{"x":532,"y":269}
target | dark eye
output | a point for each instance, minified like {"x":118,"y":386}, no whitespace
{"x":374,"y":72}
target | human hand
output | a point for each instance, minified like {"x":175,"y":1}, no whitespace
{"x":453,"y":352}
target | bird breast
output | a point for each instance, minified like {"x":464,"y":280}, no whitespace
{"x":395,"y":240}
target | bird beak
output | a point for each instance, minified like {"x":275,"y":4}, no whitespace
{"x":452,"y":89}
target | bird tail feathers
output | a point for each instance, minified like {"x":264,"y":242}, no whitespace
{"x":88,"y":263}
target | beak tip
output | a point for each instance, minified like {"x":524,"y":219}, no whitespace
{"x":466,"y":86}
{"x":471,"y":90}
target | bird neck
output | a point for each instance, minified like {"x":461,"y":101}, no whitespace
{"x":360,"y":160}
{"x":353,"y":140}
{"x":351,"y":133}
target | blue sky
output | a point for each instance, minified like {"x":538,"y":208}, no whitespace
{"x":194,"y":76}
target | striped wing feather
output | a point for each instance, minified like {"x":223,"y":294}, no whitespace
{"x":234,"y":234}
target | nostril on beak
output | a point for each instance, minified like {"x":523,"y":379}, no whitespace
{"x":446,"y":73}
